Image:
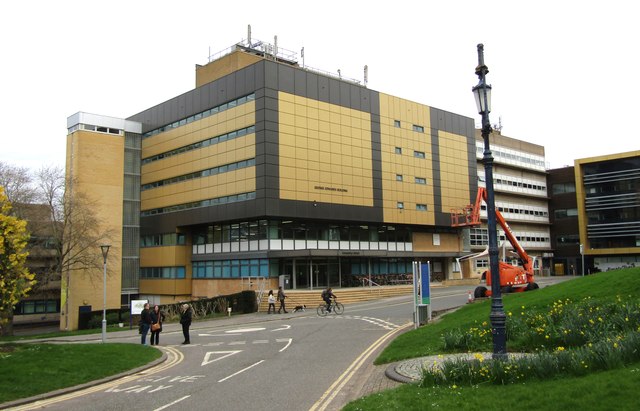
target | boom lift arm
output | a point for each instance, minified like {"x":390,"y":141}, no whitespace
{"x":509,"y":275}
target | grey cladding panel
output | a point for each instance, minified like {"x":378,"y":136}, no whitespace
{"x":345,"y":94}
{"x":334,"y":91}
{"x":323,"y":88}
{"x":300,"y":83}
{"x":312,"y":86}
{"x":271,"y":76}
{"x":286,"y":79}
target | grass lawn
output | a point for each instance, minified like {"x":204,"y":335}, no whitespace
{"x":31,"y":369}
{"x":602,"y":390}
{"x":609,"y":390}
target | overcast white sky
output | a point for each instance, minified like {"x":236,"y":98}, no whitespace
{"x":564,"y":73}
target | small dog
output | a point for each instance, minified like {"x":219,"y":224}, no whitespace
{"x":299,"y":308}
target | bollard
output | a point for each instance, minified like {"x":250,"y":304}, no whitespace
{"x":470,"y":298}
{"x":229,"y":311}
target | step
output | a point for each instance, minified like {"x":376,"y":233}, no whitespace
{"x":312,"y":298}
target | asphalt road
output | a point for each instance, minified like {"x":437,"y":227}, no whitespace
{"x":295,"y":361}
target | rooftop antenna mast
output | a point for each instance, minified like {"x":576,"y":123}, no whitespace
{"x":366,"y":75}
{"x":249,"y":35}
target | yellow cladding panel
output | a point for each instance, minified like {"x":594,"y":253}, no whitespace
{"x":220,"y":67}
{"x":229,"y":120}
{"x":401,"y":169}
{"x":326,"y":156}
{"x":220,"y":185}
{"x":241,"y":148}
{"x":454,"y":171}
{"x":171,"y":256}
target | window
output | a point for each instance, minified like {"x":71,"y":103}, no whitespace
{"x":396,"y":123}
{"x":420,"y":180}
{"x":421,"y":207}
{"x":398,"y":150}
{"x":398,"y":177}
{"x":419,"y":154}
{"x":418,"y":129}
{"x":563,"y":188}
{"x":400,"y":205}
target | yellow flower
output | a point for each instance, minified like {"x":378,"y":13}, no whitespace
{"x":560,"y":348}
{"x":478,"y":357}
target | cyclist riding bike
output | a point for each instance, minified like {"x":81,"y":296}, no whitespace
{"x":327,"y":295}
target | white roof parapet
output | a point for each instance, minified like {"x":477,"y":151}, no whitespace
{"x":103,"y":121}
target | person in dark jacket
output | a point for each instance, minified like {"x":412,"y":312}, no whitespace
{"x":157,"y":318}
{"x":281,"y":297}
{"x":185,"y":320}
{"x":145,"y":323}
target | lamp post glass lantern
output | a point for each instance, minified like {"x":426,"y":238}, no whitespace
{"x":105,"y":252}
{"x":482,"y":94}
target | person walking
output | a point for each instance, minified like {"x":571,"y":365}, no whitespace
{"x":157,"y":318}
{"x":185,"y":320}
{"x":281,"y":297}
{"x":145,"y":323}
{"x":272,"y":302}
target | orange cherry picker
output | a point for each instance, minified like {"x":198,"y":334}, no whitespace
{"x":512,"y":278}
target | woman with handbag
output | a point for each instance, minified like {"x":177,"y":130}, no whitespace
{"x":157,"y":317}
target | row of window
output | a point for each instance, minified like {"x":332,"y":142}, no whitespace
{"x":564,"y":213}
{"x":560,"y":188}
{"x":231,"y":268}
{"x":502,"y":154}
{"x":419,"y":207}
{"x":162,"y":272}
{"x":201,"y":115}
{"x":234,"y":198}
{"x":520,"y":184}
{"x":204,"y":173}
{"x":201,"y":144}
{"x":415,"y":127}
{"x":99,"y":129}
{"x":418,"y":180}
{"x":298,"y":230}
{"x":417,"y":154}
{"x":37,"y":307}
{"x":525,"y":211}
{"x":170,"y":239}
{"x":480,"y":236}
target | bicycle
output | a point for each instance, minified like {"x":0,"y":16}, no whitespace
{"x":336,"y":308}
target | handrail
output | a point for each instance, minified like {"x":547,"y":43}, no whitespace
{"x":371,"y":282}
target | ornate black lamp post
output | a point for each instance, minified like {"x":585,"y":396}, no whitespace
{"x":105,"y":251}
{"x":482,"y":93}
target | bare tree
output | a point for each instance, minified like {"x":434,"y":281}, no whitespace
{"x":64,"y":228}
{"x":18,"y":187}
{"x":73,"y":222}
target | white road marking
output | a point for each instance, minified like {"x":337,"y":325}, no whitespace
{"x":208,"y":360}
{"x":172,"y":403}
{"x":261,"y":342}
{"x":237,"y":343}
{"x":241,"y":371}
{"x":284,"y":327}
{"x":287,"y":340}
{"x":245,"y":330}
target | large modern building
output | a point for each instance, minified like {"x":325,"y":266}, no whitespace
{"x":520,"y":186}
{"x":267,"y":172}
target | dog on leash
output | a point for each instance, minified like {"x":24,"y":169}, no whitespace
{"x":299,"y":308}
